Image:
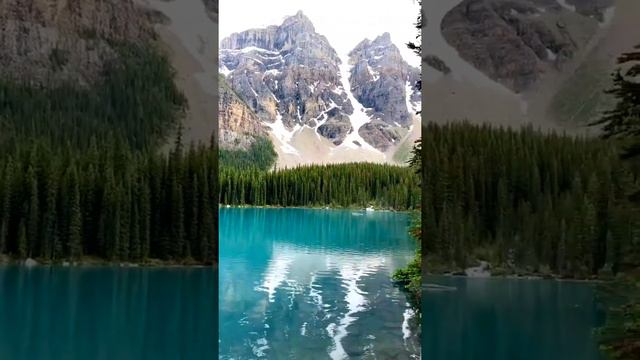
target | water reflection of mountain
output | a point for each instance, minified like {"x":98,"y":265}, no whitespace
{"x":313,"y":284}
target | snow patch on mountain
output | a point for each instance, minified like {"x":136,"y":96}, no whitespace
{"x":411,"y":106}
{"x":359,"y":116}
{"x":283,"y":135}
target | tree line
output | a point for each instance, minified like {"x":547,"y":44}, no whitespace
{"x":524,"y":200}
{"x":108,"y":202}
{"x":343,"y":185}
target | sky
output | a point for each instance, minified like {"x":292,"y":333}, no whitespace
{"x":344,"y":22}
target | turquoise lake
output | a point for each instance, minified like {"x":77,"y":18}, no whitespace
{"x":314,"y":284}
{"x":509,"y":319}
{"x":69,"y":313}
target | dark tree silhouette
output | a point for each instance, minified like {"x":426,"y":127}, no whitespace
{"x":623,"y":120}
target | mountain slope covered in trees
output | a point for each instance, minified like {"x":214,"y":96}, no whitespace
{"x":82,"y":174}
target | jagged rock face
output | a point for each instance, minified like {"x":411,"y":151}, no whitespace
{"x":379,"y":79}
{"x":514,"y":42}
{"x":289,"y":72}
{"x":384,"y":84}
{"x":54,"y":41}
{"x":238,"y":124}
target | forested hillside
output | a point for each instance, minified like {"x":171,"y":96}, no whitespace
{"x":343,"y":185}
{"x":137,"y":102}
{"x":525,"y":201}
{"x":259,"y":155}
{"x":82,"y":174}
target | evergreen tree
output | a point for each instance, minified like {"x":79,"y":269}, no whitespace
{"x":49,"y":223}
{"x":74,"y":234}
{"x":22,"y":240}
{"x":34,"y":212}
{"x":7,"y":192}
{"x":624,"y":119}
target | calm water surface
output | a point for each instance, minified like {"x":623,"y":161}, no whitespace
{"x":314,"y":284}
{"x":509,"y":319}
{"x":58,"y":313}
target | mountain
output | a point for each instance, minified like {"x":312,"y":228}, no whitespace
{"x":127,"y":55}
{"x":516,"y":42}
{"x":385,"y":85}
{"x":319,"y":106}
{"x":54,"y":42}
{"x":289,"y":75}
{"x":545,"y":62}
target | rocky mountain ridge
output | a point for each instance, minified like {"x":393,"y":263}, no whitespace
{"x":292,"y":78}
{"x":385,"y":85}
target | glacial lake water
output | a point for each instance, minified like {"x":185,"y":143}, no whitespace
{"x":507,"y":319}
{"x":314,"y":284}
{"x":69,"y":313}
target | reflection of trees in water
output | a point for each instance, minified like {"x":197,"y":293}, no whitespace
{"x":112,"y":313}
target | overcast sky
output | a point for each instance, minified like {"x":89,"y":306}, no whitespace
{"x":344,"y":22}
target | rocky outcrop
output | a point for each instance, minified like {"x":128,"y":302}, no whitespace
{"x":238,"y":124}
{"x":380,"y":134}
{"x":515,"y":42}
{"x":55,"y":41}
{"x":385,"y":85}
{"x":289,"y":73}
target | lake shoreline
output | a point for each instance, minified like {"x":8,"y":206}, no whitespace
{"x":324,"y":207}
{"x":485,"y":270}
{"x":524,"y":277}
{"x":88,"y":262}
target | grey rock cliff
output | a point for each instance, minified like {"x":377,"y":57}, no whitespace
{"x":289,"y":72}
{"x":48,"y":42}
{"x":237,"y":123}
{"x":384,"y":84}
